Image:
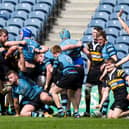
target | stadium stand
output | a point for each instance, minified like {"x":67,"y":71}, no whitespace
{"x":2,"y":22}
{"x":15,"y":22}
{"x":11,"y":1}
{"x":112,"y":31}
{"x":20,"y":14}
{"x":32,"y":2}
{"x":24,"y":7}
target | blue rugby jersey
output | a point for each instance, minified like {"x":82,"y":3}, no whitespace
{"x":26,"y":89}
{"x":108,"y":51}
{"x":75,"y":53}
{"x":28,"y":49}
{"x":65,"y":64}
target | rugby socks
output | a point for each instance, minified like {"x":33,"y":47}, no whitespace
{"x":104,"y":108}
{"x":76,"y":115}
{"x":64,"y":100}
{"x":37,"y":114}
{"x":61,"y":112}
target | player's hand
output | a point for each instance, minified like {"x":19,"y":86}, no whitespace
{"x":120,"y":13}
{"x":45,"y":87}
{"x":98,"y":106}
{"x":23,"y":42}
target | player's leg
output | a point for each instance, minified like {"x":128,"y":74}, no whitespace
{"x":87,"y":99}
{"x":116,"y":113}
{"x":28,"y":110}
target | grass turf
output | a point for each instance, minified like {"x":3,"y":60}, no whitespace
{"x":7,"y":122}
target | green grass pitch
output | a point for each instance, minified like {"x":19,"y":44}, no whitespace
{"x":11,"y":122}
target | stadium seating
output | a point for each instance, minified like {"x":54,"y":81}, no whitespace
{"x":12,"y":30}
{"x":122,"y":39}
{"x":105,"y":8}
{"x":122,"y":2}
{"x":100,"y":23}
{"x":42,"y":7}
{"x":121,"y":54}
{"x":11,"y":37}
{"x":88,"y":31}
{"x":20,"y":14}
{"x":23,"y":7}
{"x":123,"y":33}
{"x":111,"y":39}
{"x":32,"y":2}
{"x":15,"y":22}
{"x":114,"y":24}
{"x":113,"y":16}
{"x":38,"y":15}
{"x":34,"y":22}
{"x":7,"y":7}
{"x":11,"y":1}
{"x":112,"y":31}
{"x":122,"y":47}
{"x":2,"y":23}
{"x":108,"y":2}
{"x":101,"y":15}
{"x":86,"y":38}
{"x":125,"y":65}
{"x":117,"y":8}
{"x":5,"y":14}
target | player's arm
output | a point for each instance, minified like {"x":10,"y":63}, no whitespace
{"x":71,"y":46}
{"x":14,"y":43}
{"x":104,"y":97}
{"x":122,"y":61}
{"x":21,"y":61}
{"x":42,"y":49}
{"x":49,"y":69}
{"x":124,"y":25}
{"x":16,"y":106}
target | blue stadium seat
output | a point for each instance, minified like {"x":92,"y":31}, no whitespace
{"x":121,"y":54}
{"x":105,"y":8}
{"x":7,"y":7}
{"x":99,"y":23}
{"x":112,"y":31}
{"x":11,"y":37}
{"x":23,"y":7}
{"x":114,"y":24}
{"x":13,"y":30}
{"x":113,"y":16}
{"x":109,"y":2}
{"x":101,"y":15}
{"x":111,"y":39}
{"x":87,"y":38}
{"x":88,"y":31}
{"x":122,"y":2}
{"x":39,"y":15}
{"x":125,"y":65}
{"x":20,"y":14}
{"x":126,"y":70}
{"x":123,"y":33}
{"x":2,"y":23}
{"x":42,"y":7}
{"x":15,"y":22}
{"x":49,"y":2}
{"x":34,"y":22}
{"x":122,"y":47}
{"x":117,"y":8}
{"x":122,"y":39}
{"x":32,"y":2}
{"x":5,"y":14}
{"x":11,"y":1}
